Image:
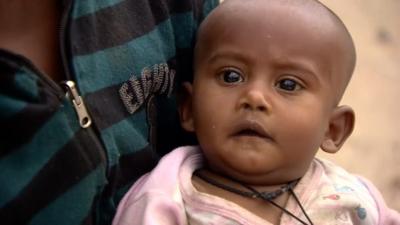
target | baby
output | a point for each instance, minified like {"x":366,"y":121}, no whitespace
{"x":268,"y":78}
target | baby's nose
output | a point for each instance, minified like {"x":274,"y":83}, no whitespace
{"x":254,"y":99}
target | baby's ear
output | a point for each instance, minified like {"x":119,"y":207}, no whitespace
{"x":185,"y":107}
{"x":341,"y":125}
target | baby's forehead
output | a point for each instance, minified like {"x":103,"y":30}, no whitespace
{"x":292,"y":21}
{"x":291,"y":15}
{"x":299,"y":21}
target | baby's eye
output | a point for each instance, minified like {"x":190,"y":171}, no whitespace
{"x":231,"y":76}
{"x":288,"y":85}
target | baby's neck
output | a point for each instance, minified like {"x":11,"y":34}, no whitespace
{"x":257,"y":206}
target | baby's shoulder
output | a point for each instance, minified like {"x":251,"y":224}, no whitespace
{"x":336,"y":178}
{"x":341,"y":196}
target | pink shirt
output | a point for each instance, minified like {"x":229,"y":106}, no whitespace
{"x":329,"y":195}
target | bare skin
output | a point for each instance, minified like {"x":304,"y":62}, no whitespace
{"x":31,"y":28}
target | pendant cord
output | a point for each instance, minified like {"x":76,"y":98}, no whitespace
{"x":301,"y":206}
{"x":266,"y":196}
{"x":282,"y":208}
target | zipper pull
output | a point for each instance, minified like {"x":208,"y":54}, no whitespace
{"x":72,"y":93}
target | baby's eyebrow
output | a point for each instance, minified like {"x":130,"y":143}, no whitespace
{"x":305,"y":67}
{"x":231,"y":54}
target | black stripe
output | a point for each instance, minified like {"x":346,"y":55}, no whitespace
{"x":20,"y":128}
{"x":106,"y":107}
{"x":143,"y":161}
{"x":130,"y":168}
{"x":69,"y":166}
{"x":121,"y":23}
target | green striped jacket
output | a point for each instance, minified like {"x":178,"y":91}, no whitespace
{"x":68,"y":152}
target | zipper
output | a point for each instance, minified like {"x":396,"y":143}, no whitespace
{"x":72,"y":93}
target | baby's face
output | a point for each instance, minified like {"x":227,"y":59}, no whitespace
{"x":263,"y":92}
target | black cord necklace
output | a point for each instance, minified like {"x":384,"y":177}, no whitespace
{"x":266,"y":196}
{"x":253,"y":193}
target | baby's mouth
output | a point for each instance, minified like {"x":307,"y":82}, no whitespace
{"x":250,"y":132}
{"x":250,"y":128}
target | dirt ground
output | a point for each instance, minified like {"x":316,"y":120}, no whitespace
{"x":374,"y":148}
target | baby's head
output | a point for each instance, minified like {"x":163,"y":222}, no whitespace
{"x":268,"y":78}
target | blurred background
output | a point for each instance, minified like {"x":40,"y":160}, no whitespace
{"x":373,"y":150}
